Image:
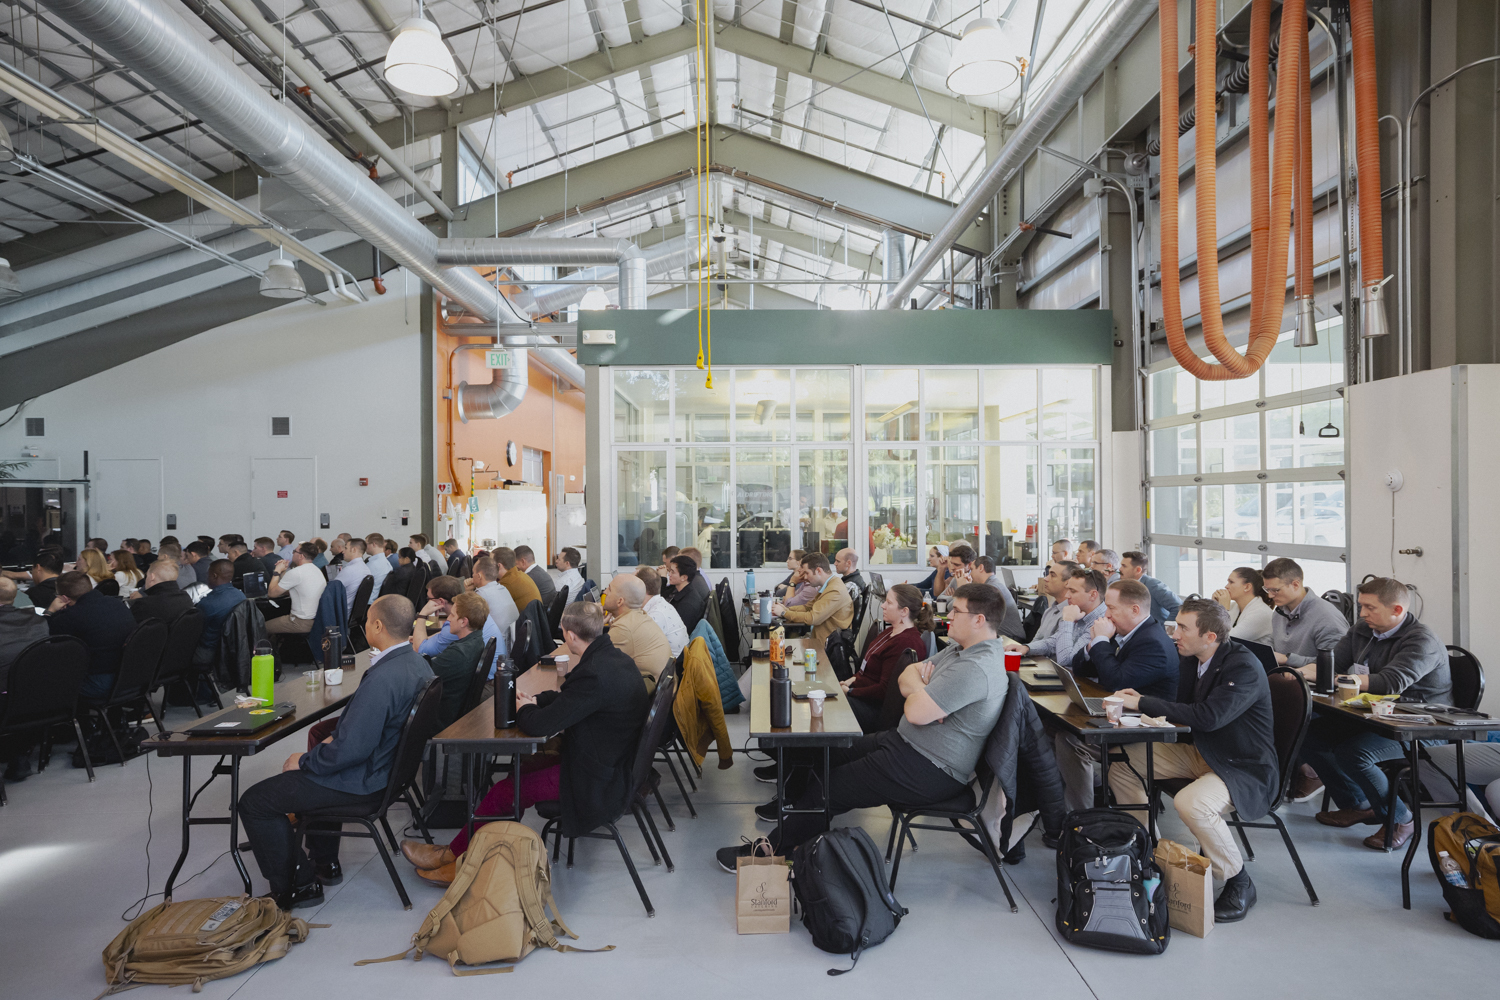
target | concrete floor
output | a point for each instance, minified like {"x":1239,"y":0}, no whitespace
{"x":74,"y":855}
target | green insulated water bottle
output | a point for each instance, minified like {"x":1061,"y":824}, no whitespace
{"x":263,"y":673}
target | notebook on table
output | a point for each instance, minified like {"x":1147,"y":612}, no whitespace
{"x":801,"y":689}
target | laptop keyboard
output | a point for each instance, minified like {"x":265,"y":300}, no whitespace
{"x":1095,"y":706}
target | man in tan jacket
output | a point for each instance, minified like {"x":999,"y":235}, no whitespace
{"x":831,"y":610}
{"x":632,"y":630}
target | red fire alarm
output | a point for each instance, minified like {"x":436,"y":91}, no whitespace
{"x":363,"y":481}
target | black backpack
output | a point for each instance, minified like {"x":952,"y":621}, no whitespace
{"x":847,"y":905}
{"x":1103,"y":863}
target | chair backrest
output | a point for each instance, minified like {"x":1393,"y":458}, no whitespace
{"x":139,"y":659}
{"x":522,"y":647}
{"x":894,"y":705}
{"x":655,"y":729}
{"x":840,"y":650}
{"x":481,"y":674}
{"x":361,"y":607}
{"x":44,"y":682}
{"x":1291,"y":712}
{"x":555,"y":613}
{"x":421,"y":725}
{"x":416,"y":587}
{"x":1468,"y":678}
{"x":182,"y":641}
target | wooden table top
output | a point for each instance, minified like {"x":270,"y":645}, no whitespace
{"x":836,"y":726}
{"x":311,"y":704}
{"x":1393,"y":729}
{"x":1060,"y":707}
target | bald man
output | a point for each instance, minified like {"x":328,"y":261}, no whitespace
{"x":633,"y":631}
{"x":19,"y":627}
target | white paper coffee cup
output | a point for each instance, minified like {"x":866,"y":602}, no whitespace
{"x":334,"y":675}
{"x":815,"y":701}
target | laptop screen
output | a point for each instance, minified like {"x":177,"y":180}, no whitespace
{"x":255,"y":584}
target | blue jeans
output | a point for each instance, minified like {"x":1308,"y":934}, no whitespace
{"x":97,"y":687}
{"x":1347,"y":758}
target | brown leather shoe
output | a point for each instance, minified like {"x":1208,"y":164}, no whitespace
{"x":1343,"y":818}
{"x":426,"y":856}
{"x":439,"y":876}
{"x":1305,"y":784}
{"x":1399,"y":837}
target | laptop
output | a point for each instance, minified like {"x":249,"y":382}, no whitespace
{"x":1093,"y":706}
{"x":239,"y":721}
{"x":1038,"y":677}
{"x":254,"y":584}
{"x":1262,"y":653}
{"x":801,"y":689}
{"x":1008,"y":577}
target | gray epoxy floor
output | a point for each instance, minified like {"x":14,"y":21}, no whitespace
{"x":73,"y":856}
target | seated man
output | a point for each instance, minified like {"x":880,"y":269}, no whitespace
{"x":830,"y":610}
{"x":1303,"y":623}
{"x":485,"y":582}
{"x":305,"y":583}
{"x":216,"y":606}
{"x":952,"y":703}
{"x":1389,"y":652}
{"x":1127,"y":648}
{"x":1085,"y":593}
{"x":1164,"y":603}
{"x":526,"y":561}
{"x":353,"y":572}
{"x":244,"y":562}
{"x":375,"y":561}
{"x":633,"y":632}
{"x":1084,"y":554}
{"x":265,"y":551}
{"x":442,"y":596}
{"x":19,"y":627}
{"x":846,"y":565}
{"x":159,"y":596}
{"x":1062,"y":550}
{"x":46,"y":567}
{"x":687,"y":590}
{"x":984,"y":573}
{"x":567,"y":564}
{"x":1046,"y":610}
{"x":1223,"y":695}
{"x":455,"y":663}
{"x":143,"y":556}
{"x":1106,"y":562}
{"x":348,"y":770}
{"x":599,"y":710}
{"x":658,"y":610}
{"x":523,"y":589}
{"x":960,"y":568}
{"x":284,"y":546}
{"x":103,"y":623}
{"x":459,"y":564}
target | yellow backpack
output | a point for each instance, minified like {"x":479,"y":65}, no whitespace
{"x":496,"y":908}
{"x":1474,"y":843}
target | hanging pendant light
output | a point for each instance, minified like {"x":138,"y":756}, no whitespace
{"x":418,"y":62}
{"x":980,"y":65}
{"x":10,"y":284}
{"x":594,"y":299}
{"x":281,"y":280}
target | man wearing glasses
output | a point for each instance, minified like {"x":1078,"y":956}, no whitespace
{"x":1303,"y":622}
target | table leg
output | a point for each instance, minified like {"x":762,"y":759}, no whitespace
{"x":1101,"y":794}
{"x":234,"y":821}
{"x":515,"y":784}
{"x":827,"y":789}
{"x":1414,"y":748}
{"x":1463,"y":781}
{"x":469,"y":765}
{"x":1150,"y":795}
{"x":780,"y":791}
{"x":187,"y":806}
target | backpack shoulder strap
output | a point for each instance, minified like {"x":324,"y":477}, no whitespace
{"x":536,"y":899}
{"x":463,"y":878}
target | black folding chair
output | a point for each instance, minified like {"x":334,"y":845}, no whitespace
{"x":1291,"y":713}
{"x":359,"y":614}
{"x":43,"y":686}
{"x":177,"y":660}
{"x":645,"y":780}
{"x":555,"y":613}
{"x":139,"y":662}
{"x":475,"y":691}
{"x":420,"y":726}
{"x":672,"y":744}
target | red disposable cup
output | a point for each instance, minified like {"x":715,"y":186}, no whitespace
{"x":1012,"y":660}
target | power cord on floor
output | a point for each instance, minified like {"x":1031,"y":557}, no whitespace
{"x":140,"y":904}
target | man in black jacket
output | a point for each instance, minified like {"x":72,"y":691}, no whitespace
{"x":101,"y":622}
{"x":1127,"y":648}
{"x":159,"y":596}
{"x":599,"y":710}
{"x":687,"y":591}
{"x":1223,"y":696}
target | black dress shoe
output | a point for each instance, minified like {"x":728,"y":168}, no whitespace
{"x":310,"y":894}
{"x":19,"y":769}
{"x":330,"y":873}
{"x":766,"y":812}
{"x":1235,"y":899}
{"x":1016,"y":854}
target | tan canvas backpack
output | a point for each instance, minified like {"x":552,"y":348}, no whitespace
{"x":496,"y":908}
{"x":198,"y":940}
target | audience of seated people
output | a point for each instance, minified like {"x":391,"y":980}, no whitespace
{"x":485,"y":582}
{"x":687,"y":590}
{"x":1250,"y":610}
{"x":983,"y":572}
{"x":831,"y":610}
{"x":1085,"y":593}
{"x":216,"y":606}
{"x":456,"y":661}
{"x":159,"y":596}
{"x":353,"y":572}
{"x":102,"y":623}
{"x":523,"y":589}
{"x":1302,"y":623}
{"x":567,"y":561}
{"x":1106,"y":562}
{"x":442,"y":595}
{"x":633,"y":631}
{"x":1164,"y":603}
{"x":122,"y":563}
{"x":305,"y":584}
{"x":846,"y":565}
{"x":526,"y":561}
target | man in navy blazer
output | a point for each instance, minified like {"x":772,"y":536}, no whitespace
{"x":1127,"y":648}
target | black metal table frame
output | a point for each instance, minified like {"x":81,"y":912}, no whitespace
{"x":474,"y":752}
{"x":811,"y":741}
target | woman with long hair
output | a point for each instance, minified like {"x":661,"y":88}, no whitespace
{"x":936,"y":581}
{"x":907,"y":618}
{"x":122,"y":563}
{"x":92,"y":562}
{"x":1244,"y":596}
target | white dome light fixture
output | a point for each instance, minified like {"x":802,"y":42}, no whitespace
{"x":979,"y":66}
{"x":594,"y":299}
{"x":281,"y":280}
{"x":418,"y":62}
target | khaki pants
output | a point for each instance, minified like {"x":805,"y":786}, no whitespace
{"x":289,"y":624}
{"x":1201,"y":804}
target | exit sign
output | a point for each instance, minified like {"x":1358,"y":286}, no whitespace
{"x":497,"y":359}
{"x":281,"y":494}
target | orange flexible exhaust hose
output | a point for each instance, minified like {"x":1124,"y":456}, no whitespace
{"x":1367,"y":159}
{"x":1269,"y":265}
{"x":1303,"y":209}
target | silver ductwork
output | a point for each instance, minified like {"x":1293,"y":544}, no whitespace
{"x":563,"y":251}
{"x":156,"y":43}
{"x":1110,"y":36}
{"x":892,"y":256}
{"x":659,"y":258}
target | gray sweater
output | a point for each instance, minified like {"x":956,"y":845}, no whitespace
{"x":1312,"y":625}
{"x":1412,"y":663}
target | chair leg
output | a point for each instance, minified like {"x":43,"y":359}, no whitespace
{"x":993,"y":854}
{"x":1244,"y":837}
{"x":685,"y":797}
{"x":901,"y":819}
{"x":416,"y":815}
{"x":687,"y":767}
{"x":390,"y":866}
{"x":385,"y":824}
{"x":83,"y":746}
{"x":571,"y":842}
{"x":104,"y":721}
{"x":661,"y":844}
{"x":629,"y":864}
{"x":890,"y":843}
{"x":1291,"y":849}
{"x":154,"y":717}
{"x":635,"y":810}
{"x":666,"y":816}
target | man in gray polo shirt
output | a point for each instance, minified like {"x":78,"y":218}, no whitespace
{"x":1304,"y":623}
{"x":952,"y":703}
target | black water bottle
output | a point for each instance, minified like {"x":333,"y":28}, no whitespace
{"x":1324,"y":682}
{"x":781,"y":697}
{"x":505,"y":694}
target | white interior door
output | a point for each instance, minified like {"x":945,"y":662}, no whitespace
{"x":126,"y":497}
{"x":284,"y":497}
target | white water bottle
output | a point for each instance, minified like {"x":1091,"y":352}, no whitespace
{"x":1451,"y":872}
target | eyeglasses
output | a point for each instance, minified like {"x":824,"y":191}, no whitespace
{"x":955,"y":611}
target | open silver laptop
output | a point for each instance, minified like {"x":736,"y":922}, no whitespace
{"x":1093,"y":706}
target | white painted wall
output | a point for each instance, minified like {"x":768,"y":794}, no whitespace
{"x":348,"y":374}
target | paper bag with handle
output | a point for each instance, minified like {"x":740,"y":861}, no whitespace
{"x":1190,"y":888}
{"x":763,"y":896}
